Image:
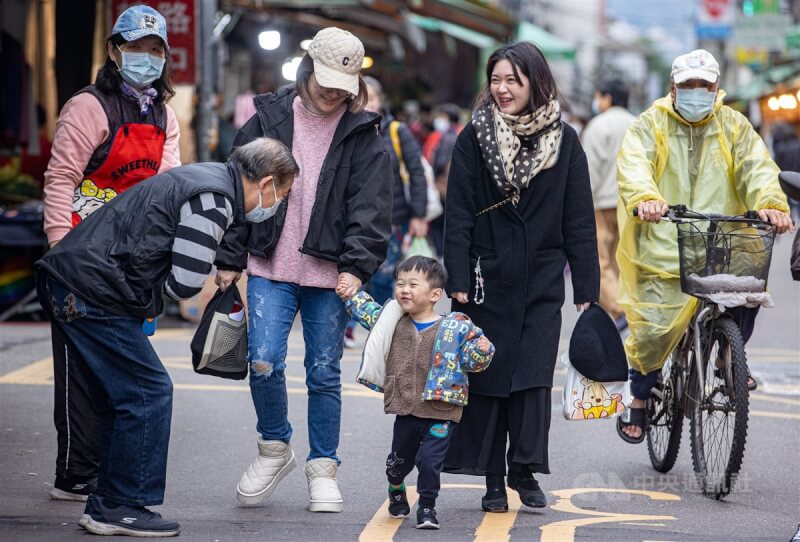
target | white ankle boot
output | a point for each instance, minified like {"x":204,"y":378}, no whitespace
{"x":275,"y":460}
{"x":323,"y":489}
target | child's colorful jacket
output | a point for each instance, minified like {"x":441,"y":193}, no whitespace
{"x":455,"y":350}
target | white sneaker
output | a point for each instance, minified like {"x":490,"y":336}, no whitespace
{"x":275,"y":460}
{"x":323,"y":490}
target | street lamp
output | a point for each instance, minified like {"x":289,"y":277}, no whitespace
{"x":269,"y":40}
{"x":289,"y":68}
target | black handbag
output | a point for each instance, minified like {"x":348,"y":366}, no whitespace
{"x":219,"y":346}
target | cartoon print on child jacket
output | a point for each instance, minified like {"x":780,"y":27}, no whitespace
{"x":455,"y":351}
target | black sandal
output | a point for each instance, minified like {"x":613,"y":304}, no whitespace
{"x":632,"y":417}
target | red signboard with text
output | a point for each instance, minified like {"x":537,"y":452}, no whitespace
{"x":181,"y":16}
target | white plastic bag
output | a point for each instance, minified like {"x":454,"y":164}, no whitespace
{"x":420,"y":246}
{"x":584,"y":399}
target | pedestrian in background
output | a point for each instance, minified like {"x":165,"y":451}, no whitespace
{"x":601,"y":141}
{"x":99,"y":303}
{"x":786,"y":149}
{"x":409,"y":197}
{"x":339,"y":216}
{"x":428,"y":358}
{"x":519,"y":207}
{"x":109,"y":137}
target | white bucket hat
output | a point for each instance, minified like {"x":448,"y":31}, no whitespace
{"x":699,"y":64}
{"x":337,"y":56}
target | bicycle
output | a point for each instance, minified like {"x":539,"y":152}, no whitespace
{"x":705,"y":376}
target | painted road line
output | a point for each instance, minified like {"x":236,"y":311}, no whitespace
{"x":37,"y":372}
{"x":382,"y":526}
{"x":781,"y":389}
{"x":770,"y":414}
{"x":497,"y":527}
{"x":771,"y":399}
{"x":564,"y":531}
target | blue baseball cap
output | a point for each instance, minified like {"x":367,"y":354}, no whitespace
{"x":139,"y":21}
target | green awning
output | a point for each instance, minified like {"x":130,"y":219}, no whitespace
{"x":553,"y":47}
{"x":481,"y":41}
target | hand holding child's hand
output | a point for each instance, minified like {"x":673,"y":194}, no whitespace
{"x":484,"y":344}
{"x":348,"y":286}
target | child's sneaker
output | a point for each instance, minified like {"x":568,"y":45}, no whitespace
{"x":398,"y":503}
{"x":104,"y":518}
{"x":426,"y":518}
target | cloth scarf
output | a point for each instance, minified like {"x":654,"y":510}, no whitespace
{"x":517,"y":147}
{"x":143,"y":97}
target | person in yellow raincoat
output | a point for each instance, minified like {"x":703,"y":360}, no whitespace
{"x":690,"y":149}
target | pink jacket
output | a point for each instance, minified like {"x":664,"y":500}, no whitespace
{"x":78,"y":135}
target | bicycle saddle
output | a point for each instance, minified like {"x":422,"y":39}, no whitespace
{"x":790,"y":183}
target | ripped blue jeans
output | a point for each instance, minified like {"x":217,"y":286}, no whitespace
{"x":272,"y":307}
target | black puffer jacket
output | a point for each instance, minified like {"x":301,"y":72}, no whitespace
{"x":351,"y":218}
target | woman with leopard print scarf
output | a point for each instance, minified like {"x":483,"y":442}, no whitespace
{"x":519,"y":207}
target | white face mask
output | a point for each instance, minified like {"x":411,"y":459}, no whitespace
{"x":694,"y":104}
{"x":441,"y":124}
{"x":259,"y":213}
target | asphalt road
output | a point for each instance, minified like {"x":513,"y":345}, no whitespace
{"x":600,"y":488}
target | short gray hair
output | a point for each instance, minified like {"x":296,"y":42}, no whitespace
{"x":263,"y":157}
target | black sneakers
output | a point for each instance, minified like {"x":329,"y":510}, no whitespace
{"x":528,"y":488}
{"x":426,"y":518}
{"x":398,"y":503}
{"x":73,"y":489}
{"x":105,"y":518}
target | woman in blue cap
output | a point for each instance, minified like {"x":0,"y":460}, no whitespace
{"x":109,"y":136}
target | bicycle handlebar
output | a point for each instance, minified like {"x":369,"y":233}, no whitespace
{"x":678,"y":212}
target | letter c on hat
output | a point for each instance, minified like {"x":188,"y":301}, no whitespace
{"x":345,"y":61}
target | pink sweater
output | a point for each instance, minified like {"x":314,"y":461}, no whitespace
{"x":80,"y":129}
{"x":312,"y":139}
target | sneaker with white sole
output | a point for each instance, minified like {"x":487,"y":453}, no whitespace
{"x":106,"y":518}
{"x":323,"y":489}
{"x":275,"y":460}
{"x":73,"y":489}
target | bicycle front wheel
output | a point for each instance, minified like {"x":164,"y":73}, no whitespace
{"x":719,"y":409}
{"x":665,"y":415}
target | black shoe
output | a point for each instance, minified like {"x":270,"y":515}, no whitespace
{"x":495,"y":499}
{"x":105,"y":518}
{"x":426,"y":518}
{"x":73,"y":489}
{"x":398,"y":503}
{"x":529,"y":491}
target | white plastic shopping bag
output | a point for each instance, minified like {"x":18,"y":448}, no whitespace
{"x":584,"y":399}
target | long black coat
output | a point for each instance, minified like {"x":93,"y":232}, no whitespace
{"x":523,"y":251}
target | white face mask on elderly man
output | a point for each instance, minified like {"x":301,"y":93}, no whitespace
{"x":259,"y":213}
{"x":694,"y":104}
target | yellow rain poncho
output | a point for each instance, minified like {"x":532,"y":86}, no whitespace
{"x":718,"y":165}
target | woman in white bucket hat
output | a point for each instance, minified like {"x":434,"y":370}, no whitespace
{"x":339,"y":214}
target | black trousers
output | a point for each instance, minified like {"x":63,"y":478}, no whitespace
{"x":73,"y":412}
{"x":499,"y":432}
{"x":420,"y":442}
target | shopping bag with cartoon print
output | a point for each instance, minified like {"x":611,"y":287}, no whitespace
{"x":585,"y":399}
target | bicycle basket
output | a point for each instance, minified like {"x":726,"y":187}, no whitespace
{"x":724,"y":256}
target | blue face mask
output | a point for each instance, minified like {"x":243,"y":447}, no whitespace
{"x":259,"y":213}
{"x":140,"y":69}
{"x":694,"y":104}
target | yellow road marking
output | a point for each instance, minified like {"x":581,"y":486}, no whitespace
{"x":645,"y":524}
{"x":564,"y":531}
{"x":382,"y":526}
{"x":38,"y":372}
{"x":781,"y":400}
{"x":497,"y":527}
{"x":771,"y":414}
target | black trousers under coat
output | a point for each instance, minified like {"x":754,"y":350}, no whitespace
{"x":73,"y":413}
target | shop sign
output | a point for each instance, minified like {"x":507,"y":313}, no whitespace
{"x":715,"y":19}
{"x":181,"y":16}
{"x":766,"y":31}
